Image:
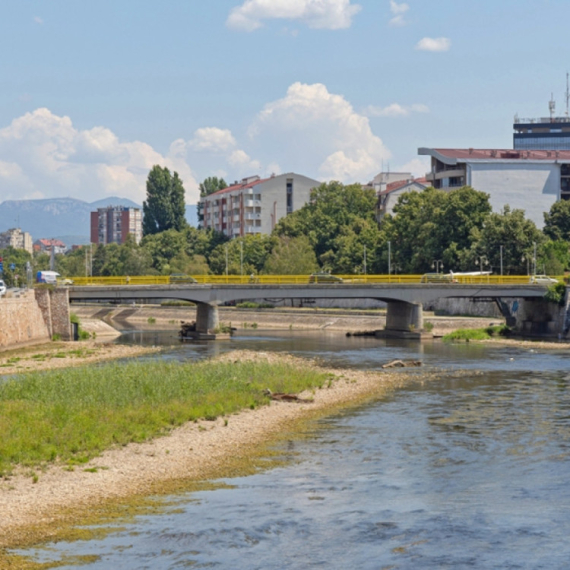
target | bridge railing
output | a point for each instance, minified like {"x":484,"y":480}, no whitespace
{"x":304,"y":280}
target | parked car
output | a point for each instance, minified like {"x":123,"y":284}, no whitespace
{"x":2,"y":288}
{"x":65,"y":281}
{"x":47,"y":277}
{"x":324,"y":278}
{"x":176,"y":278}
{"x":437,"y":278}
{"x":542,"y":280}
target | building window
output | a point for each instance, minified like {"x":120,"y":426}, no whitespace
{"x":289,"y":195}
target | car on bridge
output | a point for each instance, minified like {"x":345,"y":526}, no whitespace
{"x":437,"y":278}
{"x":324,"y":278}
{"x":2,"y":288}
{"x":542,"y":280}
{"x":180,"y":278}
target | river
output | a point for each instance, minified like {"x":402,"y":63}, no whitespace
{"x":468,"y":471}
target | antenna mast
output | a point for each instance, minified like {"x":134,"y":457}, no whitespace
{"x":551,"y":106}
{"x":567,"y":94}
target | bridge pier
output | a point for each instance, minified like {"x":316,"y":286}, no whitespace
{"x":207,"y":318}
{"x":404,"y":320}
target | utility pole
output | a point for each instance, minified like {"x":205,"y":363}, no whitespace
{"x":226,"y":259}
{"x":364,"y":260}
{"x":389,"y":258}
{"x":534,"y":258}
{"x":241,"y":257}
{"x":501,"y":261}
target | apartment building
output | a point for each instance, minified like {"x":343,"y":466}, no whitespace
{"x":531,"y":180}
{"x":114,"y":223}
{"x":255,"y":204}
{"x":17,"y":239}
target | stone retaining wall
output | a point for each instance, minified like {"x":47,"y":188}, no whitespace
{"x":22,"y":321}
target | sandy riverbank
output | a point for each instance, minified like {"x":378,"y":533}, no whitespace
{"x":197,"y":451}
{"x":64,"y":355}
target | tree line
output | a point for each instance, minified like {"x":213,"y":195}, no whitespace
{"x":336,"y":231}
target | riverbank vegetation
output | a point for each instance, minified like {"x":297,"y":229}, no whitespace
{"x":332,"y":232}
{"x":477,"y":334}
{"x":71,"y":415}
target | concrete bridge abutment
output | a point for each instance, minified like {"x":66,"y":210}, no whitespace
{"x":404,"y":320}
{"x":207,"y":318}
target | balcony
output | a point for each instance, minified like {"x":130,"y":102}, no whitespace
{"x":253,"y":216}
{"x":252,"y":203}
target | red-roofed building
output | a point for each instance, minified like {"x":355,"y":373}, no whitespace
{"x":255,"y":204}
{"x":531,"y":180}
{"x":388,"y":197}
{"x":46,"y":245}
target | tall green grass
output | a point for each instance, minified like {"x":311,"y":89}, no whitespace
{"x":74,"y":414}
{"x":477,"y":334}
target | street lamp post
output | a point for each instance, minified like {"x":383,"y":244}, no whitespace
{"x":481,"y":261}
{"x":437,"y":264}
{"x":226,"y":259}
{"x":534,"y":259}
{"x":501,"y":260}
{"x":241,"y":258}
{"x":364,"y":260}
{"x":389,"y":258}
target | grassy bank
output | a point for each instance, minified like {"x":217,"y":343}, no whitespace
{"x":477,"y":334}
{"x":74,"y":414}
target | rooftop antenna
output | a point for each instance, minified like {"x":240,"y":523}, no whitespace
{"x":567,"y":94}
{"x":551,"y":106}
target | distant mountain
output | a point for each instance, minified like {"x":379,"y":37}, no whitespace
{"x":67,"y":219}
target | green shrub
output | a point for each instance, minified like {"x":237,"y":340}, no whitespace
{"x":428,"y":326}
{"x":151,"y":320}
{"x":556,"y":293}
{"x":477,"y":334}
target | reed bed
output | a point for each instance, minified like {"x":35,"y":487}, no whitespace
{"x":71,"y":415}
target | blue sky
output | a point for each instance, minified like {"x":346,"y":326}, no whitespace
{"x":96,"y":92}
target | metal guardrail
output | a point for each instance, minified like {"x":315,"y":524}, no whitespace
{"x":305,"y":280}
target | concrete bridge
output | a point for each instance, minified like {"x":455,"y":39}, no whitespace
{"x":404,"y":301}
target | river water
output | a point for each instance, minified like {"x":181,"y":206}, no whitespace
{"x":466,"y":471}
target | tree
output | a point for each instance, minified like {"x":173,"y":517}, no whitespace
{"x":515,"y":233}
{"x":291,"y":256}
{"x":256,"y":249}
{"x":164,"y":208}
{"x":435,"y":225}
{"x":338,"y":221}
{"x":557,"y":221}
{"x":209,"y":186}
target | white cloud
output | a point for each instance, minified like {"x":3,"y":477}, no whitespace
{"x":395,"y":110}
{"x":434,"y":44}
{"x":417,"y":166}
{"x":38,"y":20}
{"x":44,"y":154}
{"x":241,"y":161}
{"x":398,"y":10}
{"x":324,"y":14}
{"x":212,"y":139}
{"x":323,"y":125}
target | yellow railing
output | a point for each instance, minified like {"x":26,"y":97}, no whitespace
{"x":304,"y":280}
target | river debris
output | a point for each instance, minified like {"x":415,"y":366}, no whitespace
{"x":283,"y":397}
{"x":186,"y":327}
{"x":402,"y":364}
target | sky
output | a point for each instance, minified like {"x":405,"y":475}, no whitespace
{"x":95,"y":92}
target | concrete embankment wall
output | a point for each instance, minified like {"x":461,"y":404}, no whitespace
{"x":34,"y":316}
{"x":22,"y":321}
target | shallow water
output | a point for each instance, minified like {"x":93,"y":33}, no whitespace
{"x":464,"y":472}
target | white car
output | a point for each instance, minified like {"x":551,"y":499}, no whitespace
{"x":543,"y":280}
{"x":2,"y":288}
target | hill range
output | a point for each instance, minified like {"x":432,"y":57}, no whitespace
{"x":67,"y":219}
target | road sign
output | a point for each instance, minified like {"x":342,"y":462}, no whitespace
{"x":12,"y":266}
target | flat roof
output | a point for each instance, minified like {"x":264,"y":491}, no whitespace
{"x":454,"y":155}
